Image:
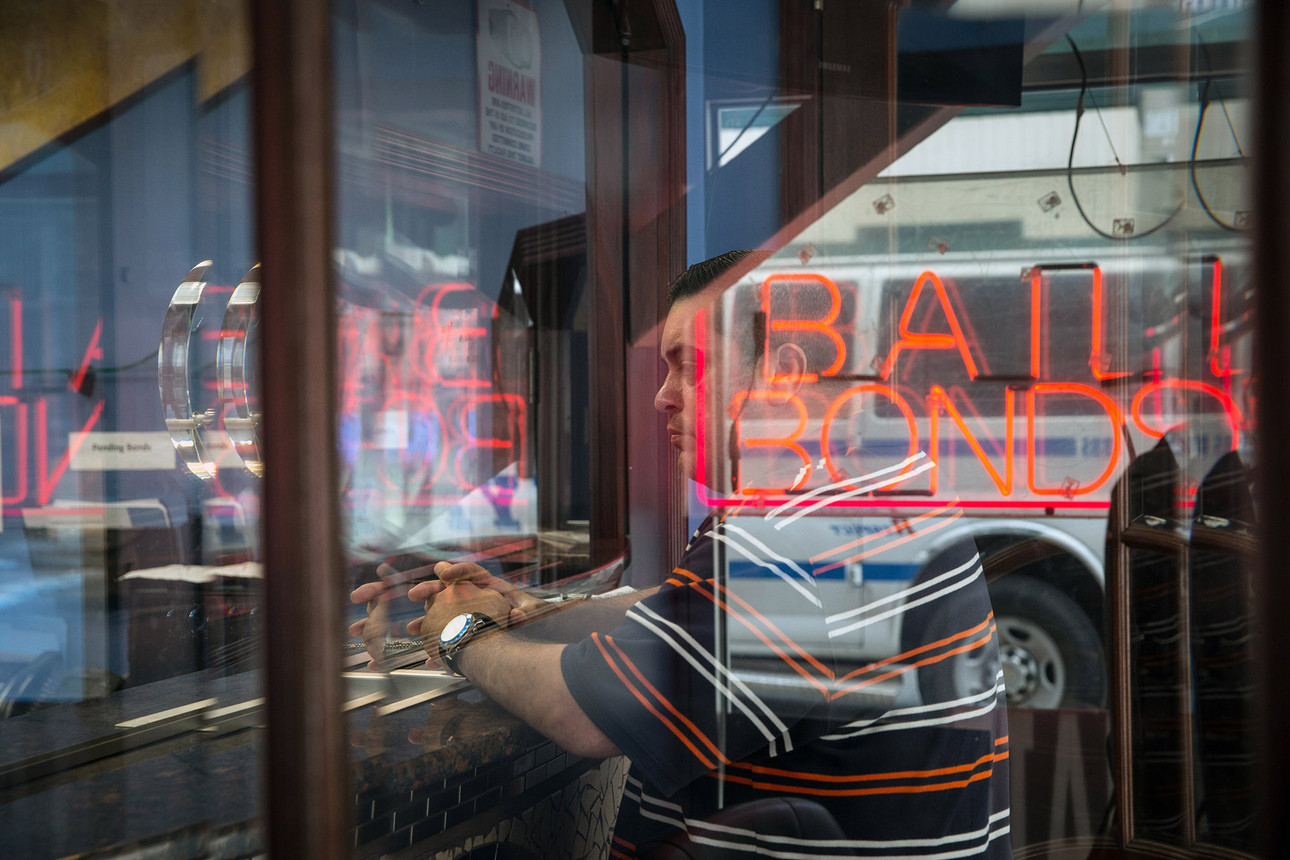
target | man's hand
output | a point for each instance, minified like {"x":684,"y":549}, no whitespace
{"x":452,"y":600}
{"x":521,"y":602}
{"x":524,"y":677}
{"x":376,"y":625}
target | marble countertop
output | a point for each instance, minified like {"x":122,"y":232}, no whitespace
{"x":450,"y":735}
{"x":206,"y":785}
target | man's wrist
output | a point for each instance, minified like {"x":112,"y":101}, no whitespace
{"x":459,"y":632}
{"x":463,"y":658}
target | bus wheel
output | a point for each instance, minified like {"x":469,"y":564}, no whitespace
{"x":1051,"y":654}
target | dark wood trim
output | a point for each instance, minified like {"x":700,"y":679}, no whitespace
{"x":799,"y":52}
{"x":849,"y":126}
{"x":1184,"y":657}
{"x":1116,"y":625}
{"x":550,"y":262}
{"x":606,"y":250}
{"x":656,"y":158}
{"x":306,"y":765}
{"x":657,"y":255}
{"x":1226,"y":542}
{"x":635,"y":136}
{"x":1270,"y":184}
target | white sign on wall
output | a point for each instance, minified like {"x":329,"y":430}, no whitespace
{"x":102,"y":451}
{"x":392,"y":430}
{"x":509,"y":60}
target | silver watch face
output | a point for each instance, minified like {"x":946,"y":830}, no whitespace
{"x":454,"y":629}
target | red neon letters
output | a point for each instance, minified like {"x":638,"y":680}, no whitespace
{"x":426,"y":368}
{"x":823,"y":326}
{"x":911,"y":340}
{"x":1071,"y":434}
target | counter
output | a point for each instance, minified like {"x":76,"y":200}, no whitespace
{"x":432,"y":780}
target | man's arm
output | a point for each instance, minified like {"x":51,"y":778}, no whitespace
{"x":525,"y":678}
{"x":568,"y":621}
{"x":573,"y":620}
{"x":519,"y":674}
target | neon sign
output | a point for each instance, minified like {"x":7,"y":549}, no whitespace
{"x":824,"y":325}
{"x":1069,"y":434}
{"x":427,"y":368}
{"x":26,"y":418}
{"x":424,"y":375}
{"x":939,"y":401}
{"x":911,"y":340}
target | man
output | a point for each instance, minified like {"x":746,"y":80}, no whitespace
{"x":651,"y":674}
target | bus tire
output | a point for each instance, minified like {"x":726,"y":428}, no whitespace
{"x":1051,"y":652}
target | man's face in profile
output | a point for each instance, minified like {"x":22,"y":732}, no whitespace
{"x":678,"y":397}
{"x":731,"y":378}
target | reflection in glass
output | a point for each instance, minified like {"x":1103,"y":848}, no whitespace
{"x":1222,"y":654}
{"x":461,"y":260}
{"x":130,"y":586}
{"x":1029,"y":332}
{"x":1047,"y":302}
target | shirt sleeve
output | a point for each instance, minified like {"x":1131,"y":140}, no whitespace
{"x":656,"y":688}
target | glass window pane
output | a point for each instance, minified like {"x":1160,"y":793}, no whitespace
{"x":463,"y":284}
{"x":962,"y":429}
{"x":129,"y":550}
{"x":929,"y":508}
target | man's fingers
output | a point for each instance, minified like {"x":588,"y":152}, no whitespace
{"x":367,"y":592}
{"x":501,"y":586}
{"x":461,"y":591}
{"x":356,"y":629}
{"x":465,"y":571}
{"x":424,"y":591}
{"x":467,"y":583}
{"x":525,"y":602}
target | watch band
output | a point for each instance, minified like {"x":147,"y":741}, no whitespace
{"x":456,"y":633}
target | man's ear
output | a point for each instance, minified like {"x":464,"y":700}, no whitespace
{"x":789,"y":366}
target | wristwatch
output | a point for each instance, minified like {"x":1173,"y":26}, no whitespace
{"x":456,"y":633}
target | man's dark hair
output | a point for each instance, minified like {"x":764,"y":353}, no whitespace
{"x":698,"y":277}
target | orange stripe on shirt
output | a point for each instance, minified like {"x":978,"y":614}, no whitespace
{"x":680,"y":571}
{"x":914,"y":652}
{"x":808,"y":676}
{"x":680,"y":576}
{"x":689,"y":724}
{"x":868,"y":777}
{"x":858,"y":792}
{"x":698,"y":586}
{"x":962,"y":649}
{"x":648,"y":705}
{"x":805,"y":654}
